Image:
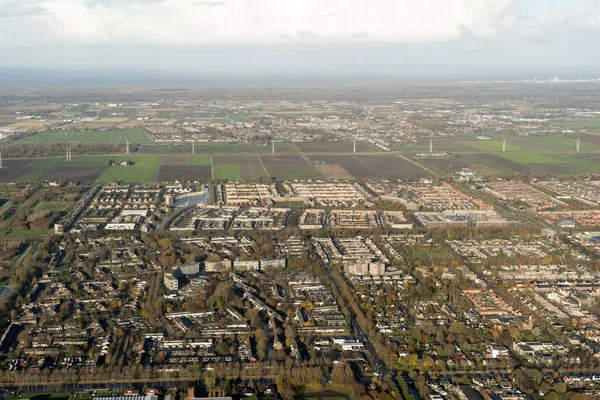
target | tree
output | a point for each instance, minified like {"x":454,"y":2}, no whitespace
{"x":210,"y":384}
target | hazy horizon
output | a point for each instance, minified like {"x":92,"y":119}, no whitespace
{"x":39,"y":76}
{"x":69,"y":41}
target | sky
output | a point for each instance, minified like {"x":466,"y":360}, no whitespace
{"x":352,"y":38}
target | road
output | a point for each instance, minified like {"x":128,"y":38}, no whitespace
{"x":378,"y":365}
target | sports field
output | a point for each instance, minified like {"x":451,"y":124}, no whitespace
{"x":118,"y":135}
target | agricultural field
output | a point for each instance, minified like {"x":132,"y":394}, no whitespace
{"x":243,"y":148}
{"x":199,"y":160}
{"x":26,"y":170}
{"x":144,"y":169}
{"x":334,"y":147}
{"x":180,"y":149}
{"x":496,"y":164}
{"x":184,"y":173}
{"x":334,"y":171}
{"x":83,"y":174}
{"x":236,"y":117}
{"x":553,"y":143}
{"x":115,"y":135}
{"x":348,"y":163}
{"x":153,"y":149}
{"x":230,"y":172}
{"x":493,"y":145}
{"x":291,"y":171}
{"x":174,"y":161}
{"x":460,"y":144}
{"x":445,"y":163}
{"x":241,"y":159}
{"x":528,"y":158}
{"x":392,"y":166}
{"x":86,"y":161}
{"x":577,"y":123}
{"x":281,"y":159}
{"x":252,"y":171}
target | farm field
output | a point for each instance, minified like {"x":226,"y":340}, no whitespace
{"x":554,"y":143}
{"x":457,"y":145}
{"x":497,"y":164}
{"x":184,"y":173}
{"x":349,"y":163}
{"x":237,"y":117}
{"x":26,"y":170}
{"x":119,"y":135}
{"x":199,"y":160}
{"x":282,"y":159}
{"x":174,"y":161}
{"x":230,"y":172}
{"x":492,"y":145}
{"x":180,"y":149}
{"x":83,"y":174}
{"x":291,"y":171}
{"x":445,"y":163}
{"x":241,"y":159}
{"x":243,"y":148}
{"x":86,"y":161}
{"x":153,"y":149}
{"x":527,"y":158}
{"x":392,"y":166}
{"x":334,"y":147}
{"x":144,"y":169}
{"x":334,"y":171}
{"x":252,"y":171}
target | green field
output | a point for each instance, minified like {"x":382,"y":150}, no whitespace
{"x":243,"y":148}
{"x":527,"y":158}
{"x":86,"y":161}
{"x":493,"y":145}
{"x":476,"y":159}
{"x":199,"y":160}
{"x":582,"y":123}
{"x":455,"y":145}
{"x":236,"y":117}
{"x":468,"y":144}
{"x":230,"y":172}
{"x":153,"y":149}
{"x":116,"y":135}
{"x":46,"y":163}
{"x":29,"y":234}
{"x":143,"y":170}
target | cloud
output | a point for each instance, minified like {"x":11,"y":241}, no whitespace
{"x":218,"y":22}
{"x":210,"y":3}
{"x":12,"y":9}
{"x":164,"y":23}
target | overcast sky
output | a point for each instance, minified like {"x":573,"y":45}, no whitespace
{"x":309,"y":36}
